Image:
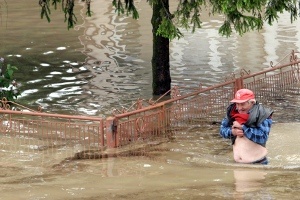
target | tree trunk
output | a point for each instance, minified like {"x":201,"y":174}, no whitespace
{"x":161,"y":81}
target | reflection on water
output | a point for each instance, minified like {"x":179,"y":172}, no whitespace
{"x":113,"y":48}
{"x":248,"y":180}
{"x":106,"y":62}
{"x":251,"y":182}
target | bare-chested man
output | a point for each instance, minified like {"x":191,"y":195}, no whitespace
{"x":248,"y":125}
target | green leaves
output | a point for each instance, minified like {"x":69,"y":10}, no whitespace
{"x":239,"y":15}
{"x":8,"y":86}
{"x":88,"y":10}
{"x":225,"y":29}
{"x":241,"y":23}
{"x":278,"y":6}
{"x":45,"y":11}
{"x":188,"y":14}
{"x":129,"y":7}
{"x":67,"y":7}
{"x":247,"y":15}
{"x":70,"y":17}
{"x":118,"y":4}
{"x":55,"y":2}
{"x":168,"y":30}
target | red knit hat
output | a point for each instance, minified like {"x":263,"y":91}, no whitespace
{"x":242,"y":96}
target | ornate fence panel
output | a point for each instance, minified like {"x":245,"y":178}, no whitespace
{"x":35,"y":131}
{"x":203,"y":106}
{"x":139,"y":126}
{"x":274,"y":82}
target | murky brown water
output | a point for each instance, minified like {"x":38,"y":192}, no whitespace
{"x":196,"y":165}
{"x":105,"y":63}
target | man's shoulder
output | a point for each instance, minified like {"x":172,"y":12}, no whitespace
{"x":262,"y":108}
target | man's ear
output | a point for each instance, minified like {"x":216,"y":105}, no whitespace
{"x":252,"y":101}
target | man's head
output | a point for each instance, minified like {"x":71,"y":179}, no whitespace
{"x":244,"y":100}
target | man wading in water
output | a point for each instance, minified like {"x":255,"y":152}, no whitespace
{"x":247,"y":124}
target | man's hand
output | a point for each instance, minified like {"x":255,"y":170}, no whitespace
{"x":237,"y":129}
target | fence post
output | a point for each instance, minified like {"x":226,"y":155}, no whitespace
{"x":163,"y":120}
{"x":238,"y":84}
{"x":111,"y":132}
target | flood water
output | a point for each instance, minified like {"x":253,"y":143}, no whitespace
{"x":105,"y":63}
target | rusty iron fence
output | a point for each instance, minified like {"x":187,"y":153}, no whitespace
{"x":144,"y":120}
{"x":204,"y":105}
{"x":27,"y":131}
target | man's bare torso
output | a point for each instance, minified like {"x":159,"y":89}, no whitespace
{"x":246,"y":151}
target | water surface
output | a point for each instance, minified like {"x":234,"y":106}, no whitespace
{"x":106,"y":63}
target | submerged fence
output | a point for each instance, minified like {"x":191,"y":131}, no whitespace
{"x":39,"y":131}
{"x":205,"y":105}
{"x":35,"y":131}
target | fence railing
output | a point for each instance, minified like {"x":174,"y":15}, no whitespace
{"x":35,"y":131}
{"x":39,"y":131}
{"x":205,"y":105}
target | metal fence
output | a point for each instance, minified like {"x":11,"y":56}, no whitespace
{"x":205,"y":105}
{"x":42,"y":131}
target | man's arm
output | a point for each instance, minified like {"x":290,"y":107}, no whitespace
{"x":225,"y":129}
{"x":258,"y":134}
